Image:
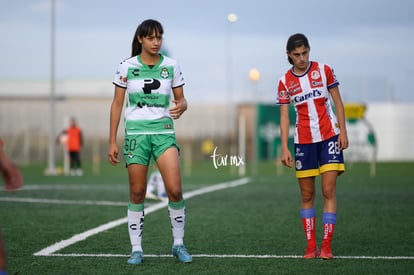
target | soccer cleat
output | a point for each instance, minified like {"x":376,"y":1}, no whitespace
{"x":326,"y":252}
{"x":181,"y":253}
{"x":311,"y":253}
{"x":151,"y":196}
{"x":136,"y":257}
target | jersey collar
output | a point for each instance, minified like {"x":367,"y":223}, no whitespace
{"x":153,"y":67}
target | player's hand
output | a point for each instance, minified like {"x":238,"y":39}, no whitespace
{"x":286,"y":158}
{"x":343,"y":142}
{"x":113,"y":154}
{"x":179,"y":108}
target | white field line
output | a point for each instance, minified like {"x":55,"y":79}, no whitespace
{"x":56,"y":201}
{"x":48,"y":251}
{"x":63,"y":187}
{"x":236,"y":256}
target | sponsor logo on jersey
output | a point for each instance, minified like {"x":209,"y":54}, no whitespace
{"x":299,"y":153}
{"x":151,"y":84}
{"x":298,"y":164}
{"x":142,"y":104}
{"x":294,"y":88}
{"x":123,"y":79}
{"x":317,"y":83}
{"x":312,"y":94}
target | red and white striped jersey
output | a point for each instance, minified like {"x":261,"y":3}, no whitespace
{"x":309,"y":93}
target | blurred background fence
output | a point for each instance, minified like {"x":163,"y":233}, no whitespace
{"x":25,"y":124}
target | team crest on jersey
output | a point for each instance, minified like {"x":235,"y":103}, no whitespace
{"x":315,"y":74}
{"x":168,"y":126}
{"x":164,"y":73}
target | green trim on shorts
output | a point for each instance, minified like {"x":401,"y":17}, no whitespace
{"x":149,"y":127}
{"x":136,"y":207}
{"x":177,"y":205}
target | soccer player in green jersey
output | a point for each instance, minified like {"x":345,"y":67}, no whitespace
{"x":145,"y":82}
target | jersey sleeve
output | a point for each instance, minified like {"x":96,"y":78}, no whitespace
{"x":120,"y":78}
{"x":178,"y":77}
{"x":282,"y":96}
{"x":331,"y":80}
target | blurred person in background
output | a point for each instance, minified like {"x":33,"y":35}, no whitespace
{"x":148,"y":79}
{"x":155,"y":186}
{"x":73,"y":138}
{"x":13,"y":180}
{"x":319,"y":139}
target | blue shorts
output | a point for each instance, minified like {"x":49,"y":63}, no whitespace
{"x":316,"y":158}
{"x":139,"y":149}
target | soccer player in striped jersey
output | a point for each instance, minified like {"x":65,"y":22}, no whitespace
{"x":146,"y":81}
{"x":319,"y":139}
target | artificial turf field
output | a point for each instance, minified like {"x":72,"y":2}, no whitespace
{"x":62,"y":224}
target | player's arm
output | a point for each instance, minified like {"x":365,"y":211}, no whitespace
{"x":286,"y":157}
{"x":179,"y":101}
{"x":340,"y":114}
{"x":115,"y":116}
{"x":12,"y":177}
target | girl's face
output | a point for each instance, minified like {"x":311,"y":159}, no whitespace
{"x":300,"y":58}
{"x":151,"y":44}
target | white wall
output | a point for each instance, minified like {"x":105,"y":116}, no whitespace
{"x":394,"y":129}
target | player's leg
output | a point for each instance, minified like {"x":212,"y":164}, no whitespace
{"x":137,"y":188}
{"x":169,"y":166}
{"x":137,"y":155}
{"x":78,"y":165}
{"x":72,"y":167}
{"x":329,"y":212}
{"x":3,"y":257}
{"x":307,"y":168}
{"x":308,"y":215}
{"x":332,"y":164}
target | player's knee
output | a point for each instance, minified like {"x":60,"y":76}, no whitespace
{"x":137,"y":193}
{"x":175,"y":194}
{"x":307,"y":197}
{"x":328,"y":194}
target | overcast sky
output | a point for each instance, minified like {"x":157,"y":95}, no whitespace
{"x":369,"y":43}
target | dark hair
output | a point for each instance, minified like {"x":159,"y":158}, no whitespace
{"x":146,"y":28}
{"x":295,"y":41}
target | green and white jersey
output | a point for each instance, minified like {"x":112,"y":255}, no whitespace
{"x":148,"y":94}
